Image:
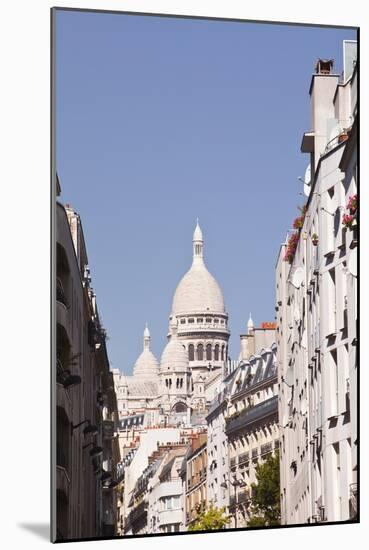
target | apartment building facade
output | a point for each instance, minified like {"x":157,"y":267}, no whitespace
{"x":251,"y":426}
{"x":316,"y":288}
{"x":85,"y":398}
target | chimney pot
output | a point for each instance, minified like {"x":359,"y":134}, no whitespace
{"x":324,"y":66}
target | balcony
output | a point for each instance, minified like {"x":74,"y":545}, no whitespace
{"x":254,"y":417}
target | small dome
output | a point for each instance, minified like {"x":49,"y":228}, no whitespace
{"x":175,"y":356}
{"x":146,"y":365}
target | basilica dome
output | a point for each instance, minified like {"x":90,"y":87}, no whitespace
{"x":175,"y":355}
{"x":198,"y":291}
{"x":146,"y":365}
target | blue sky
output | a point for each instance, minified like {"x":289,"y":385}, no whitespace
{"x":163,"y":120}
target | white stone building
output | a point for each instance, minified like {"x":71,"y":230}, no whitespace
{"x":317,"y":313}
{"x":251,"y":423}
{"x":243,"y":423}
{"x":165,"y":502}
{"x":177,"y":390}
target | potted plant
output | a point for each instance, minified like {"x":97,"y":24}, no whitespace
{"x":352,"y":205}
{"x":348,"y":220}
{"x":291,"y":247}
{"x":314,"y":239}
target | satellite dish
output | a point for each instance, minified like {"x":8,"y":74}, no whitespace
{"x":303,"y":405}
{"x":352,"y":262}
{"x":307,"y":180}
{"x":298,"y":277}
{"x":289,"y":376}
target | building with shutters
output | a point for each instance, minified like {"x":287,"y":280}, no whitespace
{"x":316,"y":293}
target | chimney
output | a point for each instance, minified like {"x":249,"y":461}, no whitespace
{"x":324,"y":66}
{"x":322,"y":90}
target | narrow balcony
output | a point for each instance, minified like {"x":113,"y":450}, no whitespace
{"x":254,"y":416}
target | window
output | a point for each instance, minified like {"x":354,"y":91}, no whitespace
{"x":216,"y":353}
{"x":169,"y":503}
{"x":191,"y":320}
{"x":200,"y":320}
{"x":208,"y":319}
{"x":208,"y":352}
{"x":216,"y":320}
{"x":200,"y":352}
{"x":222,"y":356}
{"x":191,"y":352}
{"x":183,"y":321}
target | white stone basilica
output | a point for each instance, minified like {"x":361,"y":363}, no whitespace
{"x":193,"y":362}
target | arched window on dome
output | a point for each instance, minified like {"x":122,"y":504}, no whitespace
{"x":216,"y":352}
{"x":222,"y":356}
{"x":191,"y":352}
{"x":208,"y":352}
{"x":200,"y":352}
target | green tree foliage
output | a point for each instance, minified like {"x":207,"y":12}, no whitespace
{"x":266,"y":508}
{"x":213,"y":518}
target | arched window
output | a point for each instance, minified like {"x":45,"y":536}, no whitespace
{"x":200,"y":352}
{"x":222,"y":356}
{"x":191,"y":352}
{"x":208,"y":352}
{"x":179,"y":408}
{"x":216,"y":353}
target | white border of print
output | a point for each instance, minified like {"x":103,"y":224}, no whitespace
{"x":25,"y":230}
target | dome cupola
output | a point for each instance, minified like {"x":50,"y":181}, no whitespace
{"x":146,"y":366}
{"x":175,"y":355}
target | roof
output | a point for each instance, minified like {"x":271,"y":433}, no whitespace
{"x":129,"y":421}
{"x":142,"y":388}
